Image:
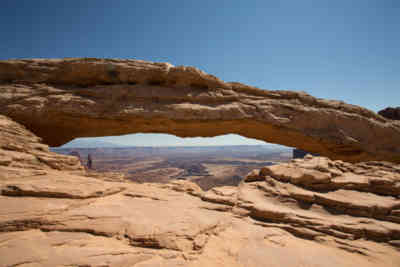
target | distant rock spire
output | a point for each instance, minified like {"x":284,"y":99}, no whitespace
{"x":89,"y":162}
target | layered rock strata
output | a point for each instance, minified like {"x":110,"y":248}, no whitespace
{"x":21,"y":150}
{"x":61,"y":99}
{"x":309,"y":212}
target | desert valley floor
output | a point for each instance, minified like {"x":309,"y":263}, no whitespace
{"x":207,"y":166}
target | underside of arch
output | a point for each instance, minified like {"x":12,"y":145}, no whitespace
{"x":63,"y":99}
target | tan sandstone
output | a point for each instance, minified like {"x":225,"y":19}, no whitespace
{"x":309,"y":212}
{"x":61,"y":99}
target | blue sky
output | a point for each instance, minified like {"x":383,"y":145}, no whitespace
{"x":345,"y":50}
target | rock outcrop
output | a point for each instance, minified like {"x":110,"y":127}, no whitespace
{"x":76,"y":154}
{"x":390,"y":113}
{"x":309,"y":212}
{"x":61,"y":99}
{"x":21,"y":150}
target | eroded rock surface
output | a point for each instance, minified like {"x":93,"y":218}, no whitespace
{"x":324,"y":197}
{"x":310,"y":212}
{"x":101,"y":97}
{"x":22,"y":152}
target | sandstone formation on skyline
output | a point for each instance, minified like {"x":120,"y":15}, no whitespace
{"x":100,"y":97}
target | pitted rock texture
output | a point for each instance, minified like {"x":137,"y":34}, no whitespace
{"x":309,"y":212}
{"x":61,"y":99}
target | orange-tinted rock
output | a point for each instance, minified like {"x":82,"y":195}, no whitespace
{"x":61,"y":99}
{"x":309,"y":212}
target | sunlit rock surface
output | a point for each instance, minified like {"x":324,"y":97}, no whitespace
{"x":309,"y":212}
{"x":61,"y":99}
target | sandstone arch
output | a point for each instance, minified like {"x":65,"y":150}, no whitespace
{"x":61,"y":99}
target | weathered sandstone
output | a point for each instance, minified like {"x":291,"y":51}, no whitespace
{"x":20,"y":150}
{"x":309,"y":212}
{"x":61,"y":99}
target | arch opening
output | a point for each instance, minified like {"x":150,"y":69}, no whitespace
{"x":63,"y":99}
{"x":209,"y":162}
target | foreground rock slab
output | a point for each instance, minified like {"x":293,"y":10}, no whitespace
{"x":62,"y":99}
{"x":309,"y":212}
{"x":178,"y":224}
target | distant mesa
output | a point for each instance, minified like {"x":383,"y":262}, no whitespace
{"x":390,"y":113}
{"x":89,"y":143}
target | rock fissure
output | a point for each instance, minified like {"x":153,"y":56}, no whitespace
{"x":23,"y":263}
{"x":16,"y":191}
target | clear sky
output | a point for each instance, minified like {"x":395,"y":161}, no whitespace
{"x":342,"y":49}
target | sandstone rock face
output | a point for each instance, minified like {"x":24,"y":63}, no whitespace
{"x":61,"y":99}
{"x":310,"y":212}
{"x":390,"y":113}
{"x":22,"y":151}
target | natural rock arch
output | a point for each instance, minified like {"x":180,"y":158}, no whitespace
{"x":62,"y":99}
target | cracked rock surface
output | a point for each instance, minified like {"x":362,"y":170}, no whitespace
{"x":85,"y":97}
{"x":309,"y":212}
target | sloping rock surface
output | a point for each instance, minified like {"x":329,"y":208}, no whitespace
{"x":22,"y":151}
{"x":310,"y":212}
{"x":101,"y":97}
